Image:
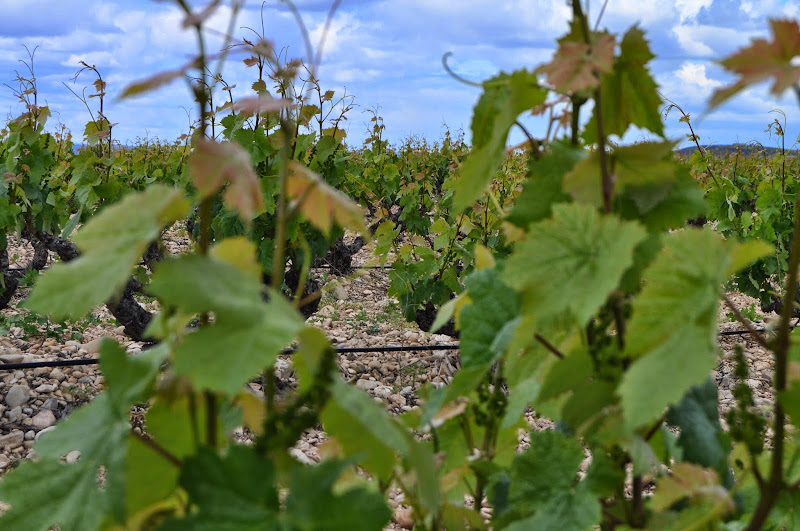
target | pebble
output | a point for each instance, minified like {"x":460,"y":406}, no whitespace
{"x":12,"y":440}
{"x":45,"y":388}
{"x":30,"y":435}
{"x":12,"y":358}
{"x":404,"y":517}
{"x":17,"y":395}
{"x":73,"y":456}
{"x":58,"y":374}
{"x":15,"y":414}
{"x":38,"y":435}
{"x":44,"y":419}
{"x":367,"y":384}
{"x":399,"y":400}
{"x":383,"y":391}
{"x":93,"y":347}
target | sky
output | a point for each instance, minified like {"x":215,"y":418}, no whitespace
{"x":387,"y":54}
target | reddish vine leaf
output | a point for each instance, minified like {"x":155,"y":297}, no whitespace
{"x":212,"y":163}
{"x":261,"y":104}
{"x":576,"y":65}
{"x":630,"y":95}
{"x":320,"y":203}
{"x":155,"y":81}
{"x":763,"y":60}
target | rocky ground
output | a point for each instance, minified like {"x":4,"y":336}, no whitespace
{"x":354,"y":312}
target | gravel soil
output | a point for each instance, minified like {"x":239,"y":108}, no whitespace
{"x":354,"y":312}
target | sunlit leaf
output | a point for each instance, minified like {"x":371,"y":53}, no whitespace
{"x":320,"y":203}
{"x":572,"y":261}
{"x":212,"y":163}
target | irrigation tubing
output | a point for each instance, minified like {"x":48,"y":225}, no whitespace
{"x":286,"y":352}
{"x":290,"y":351}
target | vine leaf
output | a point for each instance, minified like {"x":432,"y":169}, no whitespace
{"x":155,"y":81}
{"x":701,"y":437}
{"x":320,"y":203}
{"x":630,"y":95}
{"x":763,"y":60}
{"x":544,"y":188}
{"x":504,"y":98}
{"x":196,"y":284}
{"x":576,"y":64}
{"x":232,"y":492}
{"x":544,"y":486}
{"x":674,"y":321}
{"x":99,"y":431}
{"x":47,"y":493}
{"x":489,"y":319}
{"x":692,"y":481}
{"x":572,"y":261}
{"x":361,"y":426}
{"x":261,"y":104}
{"x":212,"y":163}
{"x":112,"y":243}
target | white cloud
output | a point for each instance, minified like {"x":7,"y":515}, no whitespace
{"x":690,"y":41}
{"x":695,"y":74}
{"x":689,"y":9}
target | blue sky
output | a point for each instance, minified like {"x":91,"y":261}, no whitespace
{"x":387,"y":54}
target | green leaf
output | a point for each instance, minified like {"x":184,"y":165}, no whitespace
{"x":129,"y":379}
{"x":313,"y":505}
{"x":746,"y":253}
{"x":362,"y":426}
{"x":236,"y":492}
{"x":504,"y":98}
{"x":630,"y":96}
{"x":673,"y":328}
{"x":544,"y":187}
{"x":224,"y":356}
{"x":572,"y":261}
{"x":489,"y":321}
{"x":113,"y":242}
{"x":702,"y":439}
{"x":47,"y":493}
{"x":543,"y":484}
{"x":196,"y":284}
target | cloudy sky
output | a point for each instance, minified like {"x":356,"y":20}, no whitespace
{"x":386,"y":53}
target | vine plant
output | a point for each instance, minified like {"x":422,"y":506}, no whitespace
{"x":601,"y":318}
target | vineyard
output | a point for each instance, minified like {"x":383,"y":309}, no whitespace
{"x":262,"y":326}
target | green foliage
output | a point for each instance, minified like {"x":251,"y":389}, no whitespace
{"x":572,"y":292}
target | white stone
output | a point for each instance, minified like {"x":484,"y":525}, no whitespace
{"x":383,"y":391}
{"x":12,"y":440}
{"x":367,"y":384}
{"x":12,"y":358}
{"x":38,"y":435}
{"x":73,"y":456}
{"x":44,"y":419}
{"x":17,"y":395}
{"x":93,"y":346}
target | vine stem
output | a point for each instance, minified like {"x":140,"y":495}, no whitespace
{"x":157,"y":448}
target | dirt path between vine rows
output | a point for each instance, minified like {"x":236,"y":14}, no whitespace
{"x":354,"y":312}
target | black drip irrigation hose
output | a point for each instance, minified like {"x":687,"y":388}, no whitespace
{"x":290,"y":351}
{"x":286,"y":352}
